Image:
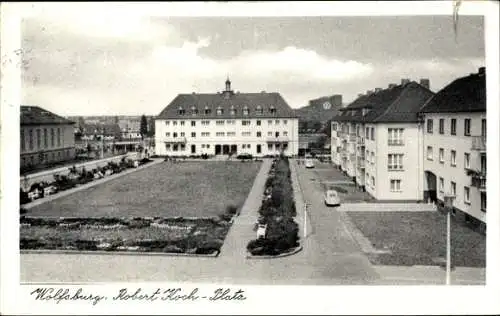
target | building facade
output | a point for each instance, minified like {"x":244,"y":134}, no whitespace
{"x":455,"y":147}
{"x":377,"y":140}
{"x":45,"y":137}
{"x":227,"y":123}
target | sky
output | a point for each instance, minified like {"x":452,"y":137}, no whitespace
{"x":124,"y":64}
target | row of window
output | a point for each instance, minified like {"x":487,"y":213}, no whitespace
{"x":453,"y":158}
{"x":44,"y":157}
{"x":466,"y":193}
{"x":223,"y":134}
{"x":232,"y":111}
{"x":453,"y":126}
{"x":226,"y":122}
{"x":39,"y":138}
{"x":182,"y":147}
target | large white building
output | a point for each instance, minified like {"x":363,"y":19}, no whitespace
{"x":45,"y":138}
{"x":455,"y":147}
{"x":377,"y":140}
{"x":226,"y":123}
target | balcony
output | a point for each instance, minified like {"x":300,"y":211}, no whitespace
{"x":479,"y":143}
{"x":174,"y":140}
{"x":479,"y":181}
{"x":395,"y":142}
{"x":278,"y":139}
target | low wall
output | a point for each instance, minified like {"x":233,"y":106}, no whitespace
{"x":48,"y":175}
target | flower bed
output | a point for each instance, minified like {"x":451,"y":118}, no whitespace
{"x":77,"y":177}
{"x":144,"y":234}
{"x":277,"y":213}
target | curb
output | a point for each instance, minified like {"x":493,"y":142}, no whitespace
{"x":125,"y":253}
{"x":85,"y":186}
{"x":286,"y":254}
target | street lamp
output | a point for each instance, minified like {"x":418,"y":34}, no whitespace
{"x":305,"y":219}
{"x":448,"y":205}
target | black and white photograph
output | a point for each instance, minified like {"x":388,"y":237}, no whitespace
{"x":219,"y":150}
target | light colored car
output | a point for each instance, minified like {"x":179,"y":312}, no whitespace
{"x":261,"y":231}
{"x":332,"y":198}
{"x":309,"y":163}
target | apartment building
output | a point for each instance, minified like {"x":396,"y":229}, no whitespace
{"x":455,"y":147}
{"x":226,"y":123}
{"x":45,"y":137}
{"x":377,"y":140}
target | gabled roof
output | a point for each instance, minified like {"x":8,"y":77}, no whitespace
{"x":109,"y":129}
{"x":35,"y":115}
{"x":465,"y":94}
{"x":398,"y":104}
{"x":237,"y":101}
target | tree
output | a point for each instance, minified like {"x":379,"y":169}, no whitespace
{"x":144,"y":126}
{"x":151,"y":131}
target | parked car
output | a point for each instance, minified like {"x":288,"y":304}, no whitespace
{"x":261,"y":231}
{"x":309,"y":163}
{"x":332,"y":198}
{"x":33,"y":195}
{"x":51,"y":189}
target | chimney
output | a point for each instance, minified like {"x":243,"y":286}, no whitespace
{"x":378,"y":90}
{"x":392,"y":85}
{"x":405,"y":81}
{"x":482,"y":70}
{"x":360,"y":95}
{"x":424,"y":82}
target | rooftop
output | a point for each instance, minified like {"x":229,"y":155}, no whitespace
{"x":35,"y":115}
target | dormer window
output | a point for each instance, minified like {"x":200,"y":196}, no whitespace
{"x":194,"y":110}
{"x":220,"y":111}
{"x":365,"y":111}
{"x":208,"y":111}
{"x":272,"y":110}
{"x":232,"y":110}
{"x":245,"y":110}
{"x":181,"y":111}
{"x":259,"y":110}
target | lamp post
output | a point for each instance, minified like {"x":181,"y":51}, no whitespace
{"x":305,"y":220}
{"x":448,"y":200}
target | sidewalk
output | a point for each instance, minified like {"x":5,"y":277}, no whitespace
{"x":430,"y":275}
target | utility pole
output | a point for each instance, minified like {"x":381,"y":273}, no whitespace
{"x":102,"y":143}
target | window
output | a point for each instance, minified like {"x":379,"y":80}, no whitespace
{"x":395,"y":162}
{"x":429,"y":153}
{"x":23,"y":143}
{"x":259,"y":110}
{"x":269,"y":146}
{"x":483,"y":201}
{"x":208,"y":111}
{"x":453,"y":158}
{"x":285,"y":122}
{"x":194,"y":110}
{"x":205,"y":134}
{"x":258,"y":122}
{"x":270,"y":134}
{"x":167,"y":146}
{"x":276,"y":122}
{"x":441,"y":126}
{"x":430,"y":126}
{"x":219,"y":134}
{"x":453,"y":188}
{"x":231,"y":122}
{"x":193,"y":123}
{"x":207,"y":145}
{"x":372,"y":133}
{"x":373,"y":157}
{"x":466,"y":195}
{"x":167,"y":123}
{"x":373,"y":181}
{"x":395,"y":136}
{"x":245,"y":123}
{"x":367,"y":133}
{"x":231,"y":134}
{"x":259,"y":134}
{"x":453,"y":127}
{"x":232,"y":111}
{"x":285,"y":146}
{"x":219,"y":111}
{"x":183,"y":134}
{"x":167,"y":134}
{"x":205,"y":123}
{"x":272,"y":110}
{"x":219,"y":123}
{"x":285,"y":133}
{"x":246,"y":133}
{"x":441,"y":184}
{"x":174,"y":123}
{"x":245,"y":111}
{"x":193,"y":134}
{"x":277,"y":134}
{"x":441,"y":155}
{"x":58,"y":137}
{"x":466,"y":127}
{"x":175,"y":134}
{"x":181,"y":111}
{"x":466,"y":160}
{"x":52,"y":138}
{"x":483,"y":127}
{"x":45,"y":138}
{"x":395,"y":185}
{"x":38,"y":139}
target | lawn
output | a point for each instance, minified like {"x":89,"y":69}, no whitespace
{"x":417,"y":238}
{"x":188,"y":189}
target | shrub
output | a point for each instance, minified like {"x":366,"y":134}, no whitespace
{"x":231,"y":209}
{"x":244,"y":157}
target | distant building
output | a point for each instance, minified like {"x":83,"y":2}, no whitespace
{"x":454,"y":146}
{"x":45,"y":137}
{"x":227,"y":123}
{"x":318,"y":112}
{"x":99,"y":131}
{"x":377,"y":140}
